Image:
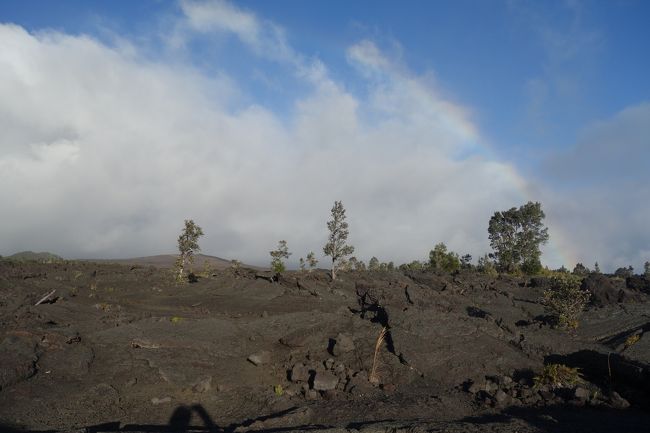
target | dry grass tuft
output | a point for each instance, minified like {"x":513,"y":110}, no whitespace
{"x":374,"y":377}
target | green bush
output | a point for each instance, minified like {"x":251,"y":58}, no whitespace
{"x":566,"y":300}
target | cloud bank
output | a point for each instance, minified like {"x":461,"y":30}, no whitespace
{"x":105,"y":151}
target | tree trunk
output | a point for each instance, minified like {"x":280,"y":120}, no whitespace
{"x":333,"y":270}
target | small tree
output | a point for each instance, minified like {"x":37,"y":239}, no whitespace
{"x":596,"y":268}
{"x":282,"y":252}
{"x":311,"y":260}
{"x":486,"y":266}
{"x":302,"y":264}
{"x":373,"y":264}
{"x":188,"y":244}
{"x":336,"y":248}
{"x":466,"y":261}
{"x":646,"y":270}
{"x":441,"y":260}
{"x":516,"y":236}
{"x":566,"y":300}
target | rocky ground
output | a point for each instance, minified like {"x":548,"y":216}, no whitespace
{"x":121,"y":348}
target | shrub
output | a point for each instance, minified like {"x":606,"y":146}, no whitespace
{"x":566,"y":300}
{"x":558,"y":376}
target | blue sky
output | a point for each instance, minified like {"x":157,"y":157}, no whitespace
{"x":427,"y":111}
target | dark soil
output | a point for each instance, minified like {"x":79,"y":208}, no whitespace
{"x":122,"y":348}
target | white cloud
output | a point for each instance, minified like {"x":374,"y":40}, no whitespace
{"x":104,"y":154}
{"x":217,"y":16}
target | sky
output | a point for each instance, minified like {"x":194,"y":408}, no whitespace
{"x":121,"y":119}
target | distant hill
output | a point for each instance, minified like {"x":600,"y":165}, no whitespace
{"x":31,"y":256}
{"x":168,"y":260}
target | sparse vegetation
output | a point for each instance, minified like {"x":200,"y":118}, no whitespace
{"x":516,"y":236}
{"x":336,"y":246}
{"x":188,"y":244}
{"x":558,"y":376}
{"x":566,"y":300}
{"x":277,"y":256}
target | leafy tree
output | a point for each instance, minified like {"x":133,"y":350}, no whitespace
{"x":188,"y":244}
{"x":441,"y":260}
{"x":646,"y":270}
{"x":282,"y":252}
{"x":516,"y":236}
{"x":373,"y":264}
{"x":624,"y":272}
{"x":356,"y":264}
{"x":580,"y":270}
{"x":311,"y":260}
{"x":336,"y":247}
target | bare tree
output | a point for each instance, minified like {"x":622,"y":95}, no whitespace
{"x":336,"y":247}
{"x":188,"y":244}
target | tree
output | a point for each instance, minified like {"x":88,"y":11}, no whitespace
{"x":188,"y":244}
{"x":624,"y":272}
{"x":466,"y":261}
{"x":277,"y":256}
{"x":373,"y":264}
{"x":282,"y":252}
{"x":441,"y":260}
{"x":580,"y":270}
{"x":516,"y":236}
{"x":302,"y":264}
{"x":311,"y":260}
{"x":336,"y":248}
{"x":486,"y":266}
{"x":596,"y":268}
{"x":356,"y":264}
{"x":646,"y":270}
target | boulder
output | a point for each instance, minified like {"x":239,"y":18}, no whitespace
{"x":343,"y":343}
{"x":299,"y":373}
{"x":325,"y":381}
